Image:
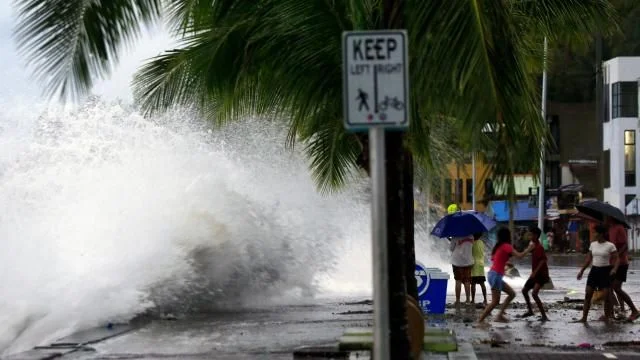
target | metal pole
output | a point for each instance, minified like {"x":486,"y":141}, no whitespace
{"x":473,"y":180}
{"x":381,"y":344}
{"x":541,"y":202}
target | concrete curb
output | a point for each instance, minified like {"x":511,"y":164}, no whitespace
{"x":465,"y":352}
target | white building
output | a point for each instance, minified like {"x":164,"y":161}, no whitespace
{"x":620,"y":131}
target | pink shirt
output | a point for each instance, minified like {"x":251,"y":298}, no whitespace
{"x":500,"y":258}
{"x":618,"y":236}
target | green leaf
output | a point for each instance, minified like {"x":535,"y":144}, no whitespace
{"x":70,"y":42}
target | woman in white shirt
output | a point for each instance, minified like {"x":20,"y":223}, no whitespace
{"x":600,"y":254}
{"x":462,"y":262}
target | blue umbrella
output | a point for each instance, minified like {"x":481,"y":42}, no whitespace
{"x":463,"y":223}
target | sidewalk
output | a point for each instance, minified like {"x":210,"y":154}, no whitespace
{"x":579,"y":355}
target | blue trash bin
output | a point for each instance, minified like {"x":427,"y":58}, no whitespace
{"x":432,"y":289}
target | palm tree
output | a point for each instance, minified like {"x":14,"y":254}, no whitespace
{"x":471,"y":60}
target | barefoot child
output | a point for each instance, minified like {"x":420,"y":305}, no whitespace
{"x":477,"y":272}
{"x":539,"y":273}
{"x":500,"y":254}
{"x":600,"y":253}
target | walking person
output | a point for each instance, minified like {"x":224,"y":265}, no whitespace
{"x":600,"y":254}
{"x":477,"y":272}
{"x":500,"y":254}
{"x":539,"y":273}
{"x":618,"y":236}
{"x":550,"y":236}
{"x":462,"y":262}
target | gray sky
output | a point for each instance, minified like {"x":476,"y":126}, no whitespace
{"x":17,"y":82}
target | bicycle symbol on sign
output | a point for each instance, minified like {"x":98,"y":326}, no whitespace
{"x":388,"y":102}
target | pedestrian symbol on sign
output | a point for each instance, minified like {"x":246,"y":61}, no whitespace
{"x":362,"y":97}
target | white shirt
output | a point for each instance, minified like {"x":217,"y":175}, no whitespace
{"x":601,"y":252}
{"x":462,"y":254}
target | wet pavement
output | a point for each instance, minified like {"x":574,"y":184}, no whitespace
{"x":276,"y":332}
{"x":559,"y":332}
{"x":265,"y":334}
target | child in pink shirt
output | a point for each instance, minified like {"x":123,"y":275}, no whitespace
{"x":500,"y":255}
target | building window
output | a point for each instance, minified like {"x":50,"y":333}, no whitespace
{"x":467,"y":158}
{"x":607,"y":169}
{"x":488,"y":188}
{"x":447,"y":192}
{"x":470,"y":191}
{"x":624,"y":99}
{"x":459,"y":191}
{"x":629,"y":158}
{"x":631,"y":199}
{"x":553,"y":175}
{"x":628,"y":198}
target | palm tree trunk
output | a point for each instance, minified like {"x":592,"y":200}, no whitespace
{"x":399,"y":179}
{"x":409,"y":226}
{"x":397,"y":220}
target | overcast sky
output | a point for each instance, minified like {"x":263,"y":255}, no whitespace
{"x":17,"y":83}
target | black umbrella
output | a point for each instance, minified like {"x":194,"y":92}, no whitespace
{"x":598,"y":210}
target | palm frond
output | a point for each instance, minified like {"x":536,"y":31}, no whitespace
{"x":183,"y":76}
{"x":281,"y":59}
{"x":478,"y":69}
{"x":570,"y":20}
{"x":488,"y":79}
{"x":185,"y":16}
{"x":69,"y":43}
{"x":167,"y":81}
{"x":470,"y":61}
{"x":333,"y":154}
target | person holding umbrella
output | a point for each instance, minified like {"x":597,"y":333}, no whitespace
{"x":460,"y":227}
{"x":615,"y":219}
{"x":462,"y":262}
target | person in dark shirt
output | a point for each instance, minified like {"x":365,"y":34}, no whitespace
{"x":618,"y":236}
{"x":539,"y":273}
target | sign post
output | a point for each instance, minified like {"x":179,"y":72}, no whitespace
{"x":376,"y":98}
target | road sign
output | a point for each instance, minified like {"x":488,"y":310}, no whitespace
{"x":376,"y":79}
